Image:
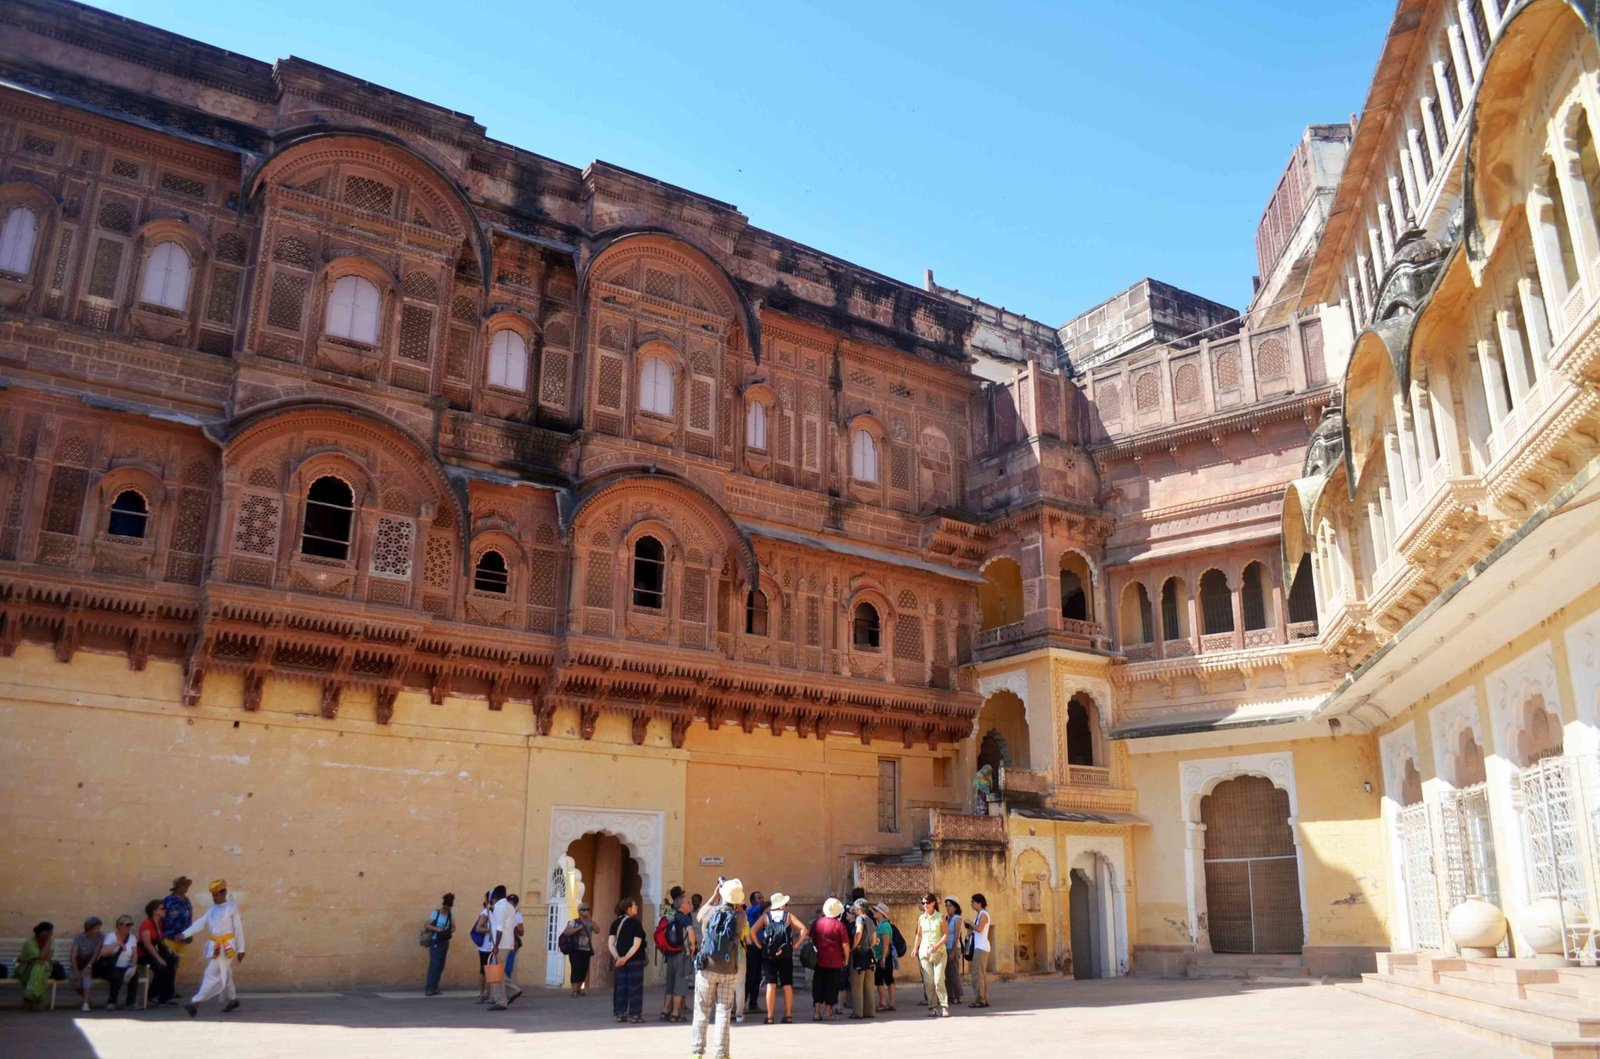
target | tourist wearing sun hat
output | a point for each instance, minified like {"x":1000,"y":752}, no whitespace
{"x":778,"y":932}
{"x":224,"y":929}
{"x":716,"y":970}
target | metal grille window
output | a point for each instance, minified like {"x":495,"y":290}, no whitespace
{"x":888,"y":794}
{"x":1422,"y":888}
{"x":1216,"y":604}
{"x":1468,"y":843}
{"x":649,"y":573}
{"x":129,"y":516}
{"x":1253,"y":597}
{"x":330,"y":512}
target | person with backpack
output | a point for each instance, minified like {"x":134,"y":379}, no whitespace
{"x":626,"y":943}
{"x":675,"y":941}
{"x":778,"y":933}
{"x":981,"y":926}
{"x":482,"y":937}
{"x":890,"y":949}
{"x":863,"y":961}
{"x":576,"y":943}
{"x":437,"y":931}
{"x":716,"y":968}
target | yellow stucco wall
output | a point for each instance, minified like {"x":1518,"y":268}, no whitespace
{"x":338,"y":836}
{"x":1340,"y":836}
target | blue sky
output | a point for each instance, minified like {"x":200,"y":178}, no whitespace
{"x":1039,"y":155}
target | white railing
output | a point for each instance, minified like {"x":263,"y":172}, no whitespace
{"x":1530,"y":406}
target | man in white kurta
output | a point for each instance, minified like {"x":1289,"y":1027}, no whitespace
{"x":225,"y":941}
{"x":504,"y":926}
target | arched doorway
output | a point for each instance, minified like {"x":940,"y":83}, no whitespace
{"x":604,"y":870}
{"x":1086,"y":900}
{"x":1252,"y":872}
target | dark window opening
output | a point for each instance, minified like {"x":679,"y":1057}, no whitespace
{"x":1254,"y":597}
{"x":755,"y":613}
{"x":1216,"y":603}
{"x":330,"y":512}
{"x":1080,"y":734}
{"x":1074,"y":603}
{"x":130,"y":515}
{"x":649,"y":573}
{"x":866,"y":632}
{"x":1303,"y":593}
{"x":1171,"y":618}
{"x":491,"y":575}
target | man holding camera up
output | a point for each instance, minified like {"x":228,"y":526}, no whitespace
{"x":716,"y":977}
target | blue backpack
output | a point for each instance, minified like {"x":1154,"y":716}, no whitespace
{"x":722,"y":937}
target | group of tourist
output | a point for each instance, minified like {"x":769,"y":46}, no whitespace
{"x":155,"y":948}
{"x":853,"y":951}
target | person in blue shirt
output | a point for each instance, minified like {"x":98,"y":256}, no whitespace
{"x":176,"y":915}
{"x":752,"y":953}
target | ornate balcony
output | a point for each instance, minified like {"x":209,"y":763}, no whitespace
{"x":1001,"y":634}
{"x":948,"y":826}
{"x":904,"y":881}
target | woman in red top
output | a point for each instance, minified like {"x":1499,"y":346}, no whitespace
{"x":154,"y":954}
{"x":832,"y":939}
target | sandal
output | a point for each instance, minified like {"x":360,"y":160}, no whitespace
{"x":636,"y":1018}
{"x":769,"y":1020}
{"x":786,"y":1019}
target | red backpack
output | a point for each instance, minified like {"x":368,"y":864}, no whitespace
{"x":662,"y":944}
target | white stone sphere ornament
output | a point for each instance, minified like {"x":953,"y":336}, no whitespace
{"x":1541,"y":926}
{"x":1477,"y":927}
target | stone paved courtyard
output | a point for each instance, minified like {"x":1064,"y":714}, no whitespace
{"x":1036,"y":1017}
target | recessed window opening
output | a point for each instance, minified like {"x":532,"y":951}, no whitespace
{"x":649,"y":573}
{"x":130,"y":515}
{"x":491,"y":575}
{"x":329,"y":514}
{"x":865,"y":630}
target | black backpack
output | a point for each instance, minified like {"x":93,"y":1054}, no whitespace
{"x":899,"y":941}
{"x":775,"y":940}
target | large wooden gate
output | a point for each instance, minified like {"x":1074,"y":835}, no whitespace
{"x":1252,"y":874}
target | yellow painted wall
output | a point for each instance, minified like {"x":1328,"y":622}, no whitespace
{"x":339,"y":836}
{"x":1341,"y":841}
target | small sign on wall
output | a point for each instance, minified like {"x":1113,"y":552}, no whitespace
{"x":710,"y":862}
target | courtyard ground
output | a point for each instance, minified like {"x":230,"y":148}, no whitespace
{"x":1032,"y":1017}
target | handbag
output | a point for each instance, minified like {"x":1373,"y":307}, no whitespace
{"x":424,"y":937}
{"x":494,"y":972}
{"x":968,"y":945}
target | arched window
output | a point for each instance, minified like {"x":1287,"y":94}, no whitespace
{"x":17,"y":238}
{"x":1138,"y":626}
{"x":1216,"y":603}
{"x":1076,"y":581}
{"x":864,"y":456}
{"x":130,"y":515}
{"x":508,"y":361}
{"x":655,"y":387}
{"x":491,"y":575}
{"x":166,"y":277}
{"x":755,"y":427}
{"x":755,"y":613}
{"x":865,"y":631}
{"x":330,"y":512}
{"x":649,"y":573}
{"x":1588,"y":166}
{"x":1559,"y":234}
{"x":353,"y":307}
{"x":1174,"y":610}
{"x":1302,"y":593}
{"x":1080,"y":732}
{"x":1253,"y":597}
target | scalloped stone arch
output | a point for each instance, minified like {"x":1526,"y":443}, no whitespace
{"x":613,"y":251}
{"x":705,"y":514}
{"x":261,"y":428}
